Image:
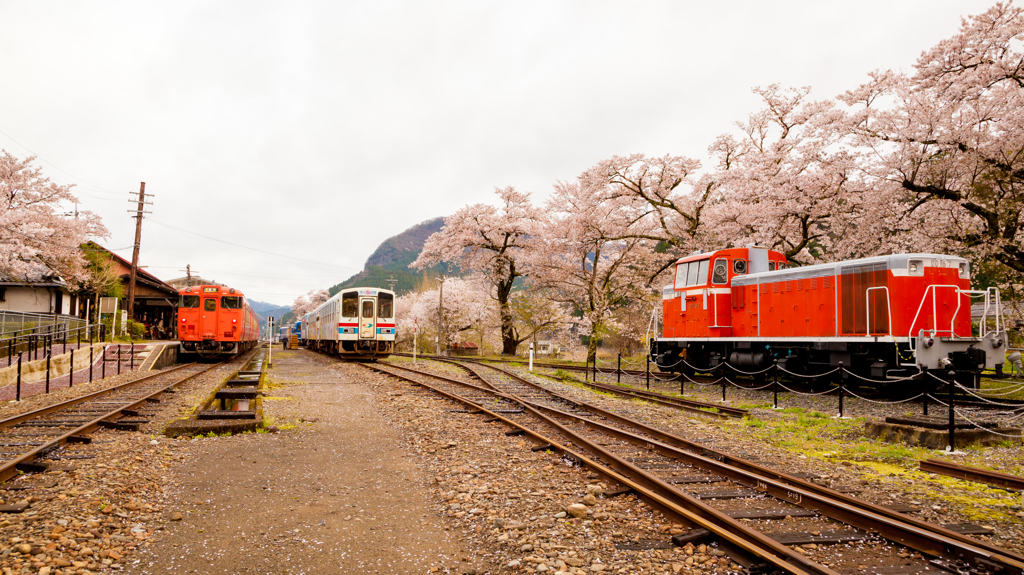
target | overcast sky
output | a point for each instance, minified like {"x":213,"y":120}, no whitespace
{"x":315,"y":130}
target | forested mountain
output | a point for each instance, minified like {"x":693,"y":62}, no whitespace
{"x":392,"y":259}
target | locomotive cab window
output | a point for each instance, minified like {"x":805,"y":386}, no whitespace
{"x":721,"y":272}
{"x":210,"y":305}
{"x":368,"y":308}
{"x":702,"y":272}
{"x":231,"y":302}
{"x":681,"y":276}
{"x":350,"y":304}
{"x":385,"y":305}
{"x":189,"y":301}
{"x":739,"y":266}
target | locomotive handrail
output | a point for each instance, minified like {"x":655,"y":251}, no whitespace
{"x":888,"y":306}
{"x":935,"y":312}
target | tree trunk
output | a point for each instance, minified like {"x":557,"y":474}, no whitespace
{"x":508,"y":336}
{"x":592,"y":346}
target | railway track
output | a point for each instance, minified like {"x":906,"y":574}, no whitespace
{"x":679,"y":478}
{"x":27,"y":438}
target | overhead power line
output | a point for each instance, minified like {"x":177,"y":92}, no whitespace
{"x":44,"y":160}
{"x":251,"y":248}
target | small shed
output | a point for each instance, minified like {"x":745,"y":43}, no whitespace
{"x":465,"y":348}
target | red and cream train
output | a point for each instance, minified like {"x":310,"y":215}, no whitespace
{"x":215,"y":321}
{"x":881,"y":317}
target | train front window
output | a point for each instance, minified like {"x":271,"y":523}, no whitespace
{"x":702,"y":275}
{"x":368,"y":308}
{"x":721,"y":274}
{"x":350,"y":304}
{"x":231,"y":302}
{"x":189,"y":301}
{"x":691,"y":279}
{"x":385,"y":305}
{"x":210,"y":305}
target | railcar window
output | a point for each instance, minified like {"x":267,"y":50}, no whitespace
{"x":771,"y":266}
{"x":231,"y":302}
{"x":385,"y":307}
{"x":721,"y":275}
{"x":739,"y":266}
{"x":702,"y":274}
{"x":210,"y":304}
{"x":691,"y":275}
{"x":189,"y":301}
{"x":350,"y":304}
{"x":368,"y":308}
{"x":681,"y":276}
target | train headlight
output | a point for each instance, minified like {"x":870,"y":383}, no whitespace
{"x":188,"y":290}
{"x":234,"y":321}
{"x":965,"y":270}
{"x":183,"y":320}
{"x":929,"y":342}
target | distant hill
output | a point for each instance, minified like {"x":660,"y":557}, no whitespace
{"x":392,"y":259}
{"x":263,"y":310}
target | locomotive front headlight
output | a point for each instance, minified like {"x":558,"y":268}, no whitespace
{"x":964,"y":270}
{"x":929,"y":342}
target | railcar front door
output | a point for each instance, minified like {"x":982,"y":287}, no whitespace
{"x":367,"y":319}
{"x":208,"y":319}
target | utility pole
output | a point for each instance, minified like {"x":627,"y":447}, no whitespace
{"x":440,"y":318}
{"x":391,"y":282}
{"x":135,"y":252}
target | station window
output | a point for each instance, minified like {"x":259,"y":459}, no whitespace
{"x":231,"y":302}
{"x":385,"y":305}
{"x":350,"y":304}
{"x":721,"y":273}
{"x":210,"y":304}
{"x":189,"y":301}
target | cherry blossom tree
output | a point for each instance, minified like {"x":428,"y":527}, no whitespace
{"x":488,"y":240}
{"x":788,"y":183}
{"x":466,"y":306}
{"x":309,"y":302}
{"x":947,"y":139}
{"x":32,"y":230}
{"x":674,"y":197}
{"x":595,"y":250}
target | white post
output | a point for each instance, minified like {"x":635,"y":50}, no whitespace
{"x":531,"y":356}
{"x":270,"y":346}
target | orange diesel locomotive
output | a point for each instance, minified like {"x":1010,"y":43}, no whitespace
{"x":215,"y":321}
{"x":882,"y":316}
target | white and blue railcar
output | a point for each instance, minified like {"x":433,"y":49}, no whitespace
{"x":356,"y":323}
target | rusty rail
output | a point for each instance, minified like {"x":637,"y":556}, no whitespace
{"x":994,"y":478}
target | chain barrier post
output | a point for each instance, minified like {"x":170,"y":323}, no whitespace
{"x":131,"y":357}
{"x":595,"y":367}
{"x":90,"y":363}
{"x":839,"y":376}
{"x":71,"y":380}
{"x":64,"y":339}
{"x":618,"y":370}
{"x":648,"y":372}
{"x":952,"y":413}
{"x":775,"y":386}
{"x":924,"y":390}
{"x":103,"y":363}
{"x":682,"y":384}
{"x":10,"y":351}
{"x":48,"y":354}
{"x":118,"y":359}
{"x":722,"y":377}
{"x":18,"y":387}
